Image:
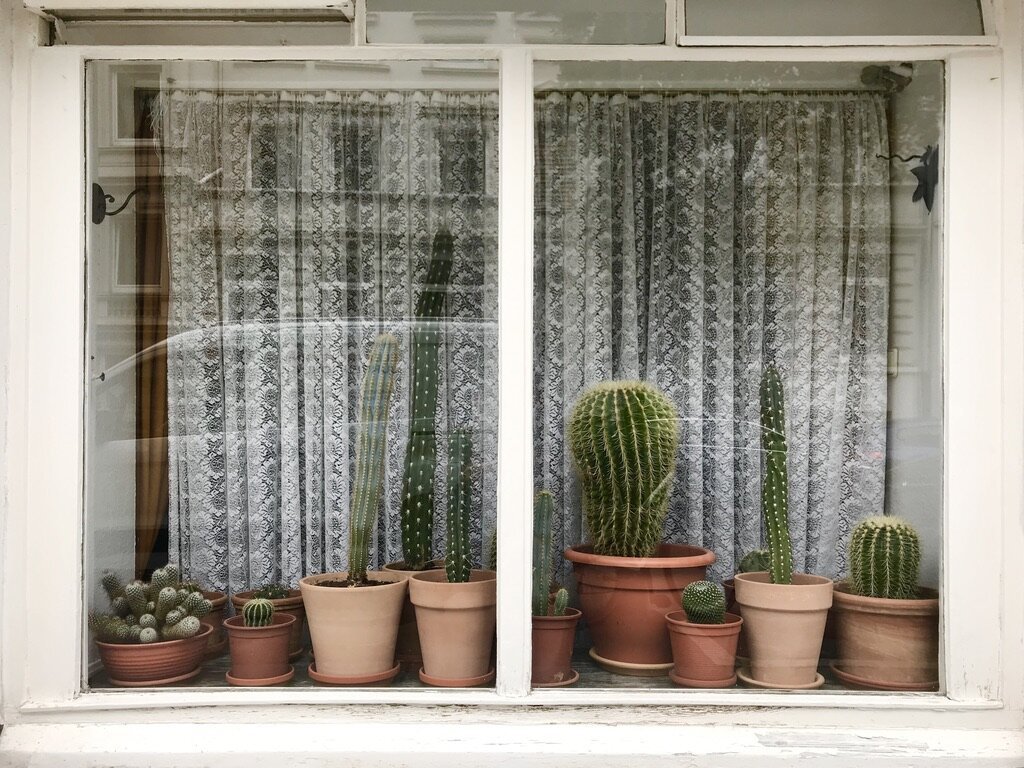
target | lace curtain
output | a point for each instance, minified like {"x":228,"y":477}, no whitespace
{"x":300,"y":226}
{"x":691,"y":239}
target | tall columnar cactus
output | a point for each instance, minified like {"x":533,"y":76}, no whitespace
{"x":375,"y":400}
{"x":149,"y":612}
{"x":704,"y":603}
{"x":885,"y":557}
{"x":775,"y":491}
{"x":417,"y":513}
{"x":258,"y":612}
{"x":623,"y":436}
{"x":543,"y":511}
{"x":458,"y":563}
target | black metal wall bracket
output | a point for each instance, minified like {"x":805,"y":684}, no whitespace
{"x":927,"y":174}
{"x":101,"y":198}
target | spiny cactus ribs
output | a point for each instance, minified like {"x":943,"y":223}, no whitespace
{"x":149,"y":612}
{"x":258,"y":612}
{"x":459,"y":563}
{"x":623,"y":436}
{"x":704,"y":603}
{"x":561,"y":602}
{"x":885,"y":558}
{"x":775,"y":490}
{"x":543,"y":511}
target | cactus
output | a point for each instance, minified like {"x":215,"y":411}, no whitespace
{"x":755,"y":560}
{"x":561,"y":602}
{"x":185,"y":628}
{"x":775,"y":491}
{"x":258,"y":612}
{"x":112,"y":586}
{"x":149,"y":612}
{"x":704,"y":603}
{"x":623,"y":436}
{"x":543,"y":510}
{"x":417,"y":514}
{"x":375,"y":400}
{"x":272,"y":592}
{"x":458,"y":563}
{"x":885,"y":555}
{"x":492,"y":551}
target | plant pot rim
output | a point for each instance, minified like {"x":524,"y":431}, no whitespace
{"x":763,"y":578}
{"x":216,"y":597}
{"x":398,"y":566}
{"x":293,"y":600}
{"x":851,"y":601}
{"x":683,"y":556}
{"x":235,"y":625}
{"x":678,"y":623}
{"x":430,"y":577}
{"x":311,"y":582}
{"x":204,"y":631}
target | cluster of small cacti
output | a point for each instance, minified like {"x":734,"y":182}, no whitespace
{"x":272,"y":592}
{"x":258,"y":612}
{"x":543,"y":511}
{"x":755,"y":560}
{"x":775,"y":490}
{"x":885,"y":558}
{"x":704,"y":603}
{"x":375,"y":401}
{"x":162,"y":609}
{"x":623,"y":436}
{"x":458,"y":561}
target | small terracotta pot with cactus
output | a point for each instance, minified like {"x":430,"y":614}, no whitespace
{"x":704,"y":638}
{"x":888,"y":625}
{"x":259,"y":638}
{"x":285,"y":600}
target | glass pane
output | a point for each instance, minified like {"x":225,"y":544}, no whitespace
{"x":737,"y":349}
{"x":515,"y":21}
{"x":292,"y":346}
{"x":832,"y":17}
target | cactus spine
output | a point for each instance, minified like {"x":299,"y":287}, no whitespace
{"x":258,"y":612}
{"x":417,"y":514}
{"x":623,"y":436}
{"x":775,"y":491}
{"x":458,"y":562}
{"x":543,"y":509}
{"x":561,"y":602}
{"x":885,"y":555}
{"x":375,"y":399}
{"x":704,"y":603}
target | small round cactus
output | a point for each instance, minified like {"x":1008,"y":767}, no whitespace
{"x":258,"y":612}
{"x":704,"y":603}
{"x":885,"y":555}
{"x":755,"y":560}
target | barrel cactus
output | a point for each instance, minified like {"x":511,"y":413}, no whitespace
{"x":147,"y":612}
{"x":623,"y":437}
{"x":258,"y":612}
{"x":755,"y":560}
{"x":775,"y":490}
{"x":374,"y":403}
{"x":704,"y":603}
{"x":458,"y":563}
{"x":885,"y":557}
{"x":543,"y":510}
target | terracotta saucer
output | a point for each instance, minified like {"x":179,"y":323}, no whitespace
{"x":216,"y":650}
{"x":149,"y":683}
{"x":686,"y":682}
{"x":377,"y":677}
{"x":857,"y":681}
{"x":456,"y":682}
{"x":743,"y":673}
{"x":629,"y":668}
{"x":560,"y":684}
{"x":262,"y":680}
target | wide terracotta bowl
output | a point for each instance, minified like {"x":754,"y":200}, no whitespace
{"x":145,"y":664}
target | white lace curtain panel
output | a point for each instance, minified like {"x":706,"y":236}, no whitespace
{"x":687,"y":239}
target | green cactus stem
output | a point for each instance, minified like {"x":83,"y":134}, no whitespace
{"x":755,"y":560}
{"x":258,"y":612}
{"x":623,"y":436}
{"x":458,"y":563}
{"x":561,"y":602}
{"x":187,"y":627}
{"x":492,"y":550}
{"x":272,"y":592}
{"x":885,"y":558}
{"x":417,"y":511}
{"x":775,"y":490}
{"x":543,"y":511}
{"x":704,"y":603}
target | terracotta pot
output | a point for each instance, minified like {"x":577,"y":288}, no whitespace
{"x":553,"y":638}
{"x":456,"y":625}
{"x":731,"y":606}
{"x":259,"y":655}
{"x":353,"y":629}
{"x":215,"y":620}
{"x":888,"y":644}
{"x":144,"y":664}
{"x":703,"y":655}
{"x":784,"y":626}
{"x":291,"y":605}
{"x":625,"y":600}
{"x":407,"y":652}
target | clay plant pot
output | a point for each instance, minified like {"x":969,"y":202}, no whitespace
{"x":291,"y":605}
{"x":215,"y":620}
{"x":259,"y":655}
{"x":731,"y":606}
{"x":553,"y":638}
{"x":784,"y":625}
{"x":703,"y":655}
{"x":625,"y":600}
{"x":408,"y":649}
{"x":135,"y":665}
{"x":456,"y":625}
{"x":890,"y":645}
{"x":353,"y":629}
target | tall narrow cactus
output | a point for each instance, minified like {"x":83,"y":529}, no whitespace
{"x":375,"y":400}
{"x":543,"y":510}
{"x":885,"y":557}
{"x":623,"y":436}
{"x":458,"y":563}
{"x":417,"y":513}
{"x":775,"y":491}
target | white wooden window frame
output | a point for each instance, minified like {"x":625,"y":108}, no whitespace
{"x":42,"y":610}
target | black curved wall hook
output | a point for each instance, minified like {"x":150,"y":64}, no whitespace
{"x":101,"y":198}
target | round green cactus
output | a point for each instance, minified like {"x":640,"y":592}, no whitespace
{"x":755,"y":560}
{"x":885,"y":557}
{"x":258,"y":612}
{"x":623,"y":437}
{"x":704,"y":603}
